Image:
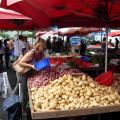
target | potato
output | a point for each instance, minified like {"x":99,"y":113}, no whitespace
{"x":84,"y":77}
{"x":92,"y":85}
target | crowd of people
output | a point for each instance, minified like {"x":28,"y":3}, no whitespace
{"x":10,"y":48}
{"x":53,"y":45}
{"x":6,"y":47}
{"x":58,"y":45}
{"x":13,"y":49}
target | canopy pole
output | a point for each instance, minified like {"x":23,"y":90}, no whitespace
{"x":33,"y":34}
{"x":101,"y":35}
{"x":32,"y":37}
{"x":106,"y":50}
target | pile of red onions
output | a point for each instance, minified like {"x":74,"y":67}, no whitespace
{"x":43,"y":77}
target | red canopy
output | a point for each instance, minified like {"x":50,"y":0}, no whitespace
{"x":93,"y":13}
{"x":70,"y":31}
{"x":13,"y":20}
{"x":9,"y":14}
{"x":76,"y":31}
{"x":112,"y":34}
{"x":40,"y":33}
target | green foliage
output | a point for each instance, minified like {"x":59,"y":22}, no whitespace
{"x":4,"y":35}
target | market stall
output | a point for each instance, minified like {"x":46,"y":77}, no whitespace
{"x":92,"y":14}
{"x":67,"y":93}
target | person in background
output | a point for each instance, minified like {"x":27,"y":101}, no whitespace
{"x":54,"y":44}
{"x":7,"y":52}
{"x":11,"y":48}
{"x":68,"y":45}
{"x":59,"y":45}
{"x":19,"y":47}
{"x":82,"y":48}
{"x":104,"y":45}
{"x":49,"y":44}
{"x":1,"y":54}
{"x":104,"y":38}
{"x":116,"y":43}
{"x":27,"y":45}
{"x":27,"y":61}
{"x":10,"y":44}
{"x":110,"y":43}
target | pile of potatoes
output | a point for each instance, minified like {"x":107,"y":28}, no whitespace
{"x":71,"y":92}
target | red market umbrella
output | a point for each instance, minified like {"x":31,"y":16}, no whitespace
{"x":90,"y":13}
{"x":30,"y":10}
{"x":40,"y":33}
{"x":15,"y":21}
{"x":68,"y":13}
{"x":113,"y":34}
{"x":70,"y":31}
{"x":75,"y":31}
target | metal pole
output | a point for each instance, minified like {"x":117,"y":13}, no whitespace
{"x":32,"y":37}
{"x":106,"y":50}
{"x":101,"y":35}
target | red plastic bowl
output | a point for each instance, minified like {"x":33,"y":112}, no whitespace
{"x":86,"y":64}
{"x":105,"y":78}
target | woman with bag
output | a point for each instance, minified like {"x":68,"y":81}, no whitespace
{"x":24,"y":64}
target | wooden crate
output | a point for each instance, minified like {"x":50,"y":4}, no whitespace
{"x":68,"y":113}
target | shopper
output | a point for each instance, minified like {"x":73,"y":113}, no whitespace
{"x":7,"y":52}
{"x":110,"y":43}
{"x":103,"y":45}
{"x":49,"y":44}
{"x":28,"y":60}
{"x":82,"y":48}
{"x":54,"y":44}
{"x":116,"y":43}
{"x":27,"y":45}
{"x":1,"y":54}
{"x":19,"y":47}
{"x":68,"y":45}
{"x":59,"y":45}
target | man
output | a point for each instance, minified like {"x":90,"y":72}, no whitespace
{"x":49,"y":44}
{"x":19,"y":47}
{"x":82,"y":48}
{"x":7,"y":52}
{"x":116,"y":43}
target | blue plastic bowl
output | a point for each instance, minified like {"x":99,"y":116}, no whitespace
{"x":85,"y":58}
{"x":42,"y":64}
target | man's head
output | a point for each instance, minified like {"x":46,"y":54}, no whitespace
{"x":20,"y":37}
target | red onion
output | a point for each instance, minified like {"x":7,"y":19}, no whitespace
{"x":43,"y":77}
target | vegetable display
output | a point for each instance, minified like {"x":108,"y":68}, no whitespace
{"x":72,"y":92}
{"x":43,"y":77}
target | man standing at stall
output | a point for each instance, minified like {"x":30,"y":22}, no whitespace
{"x":82,"y":48}
{"x":19,"y":47}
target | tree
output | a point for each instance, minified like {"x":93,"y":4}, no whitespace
{"x":4,"y":35}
